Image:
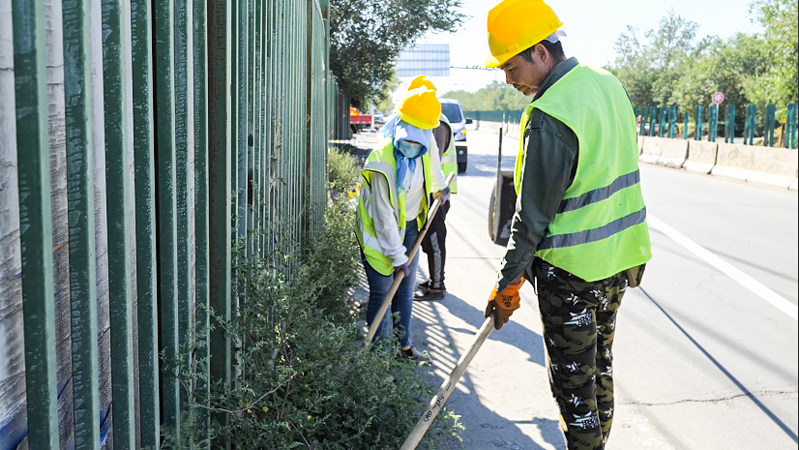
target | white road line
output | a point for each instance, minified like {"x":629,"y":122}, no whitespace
{"x":728,"y":269}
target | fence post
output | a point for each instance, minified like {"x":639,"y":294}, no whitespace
{"x":664,"y":114}
{"x":202,"y":317}
{"x":146,"y":262}
{"x":729,"y":127}
{"x":119,"y":265}
{"x":712,"y":122}
{"x":80,"y":188}
{"x":685,"y":134}
{"x":768,"y":132}
{"x":167,"y":206}
{"x":653,"y":118}
{"x":790,"y":126}
{"x":219,"y":185}
{"x":698,"y":115}
{"x":749,"y":125}
{"x":673,"y":122}
{"x":35,"y":222}
{"x":644,"y":112}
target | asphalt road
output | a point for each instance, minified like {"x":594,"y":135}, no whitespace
{"x":702,"y":361}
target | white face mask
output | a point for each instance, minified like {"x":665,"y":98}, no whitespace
{"x":410,"y":149}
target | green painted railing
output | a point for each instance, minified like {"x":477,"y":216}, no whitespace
{"x":662,"y":122}
{"x":138,"y":150}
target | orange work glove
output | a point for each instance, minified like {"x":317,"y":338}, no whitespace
{"x":504,"y":303}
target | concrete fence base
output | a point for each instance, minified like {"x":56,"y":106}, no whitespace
{"x":664,"y":151}
{"x":771,"y":166}
{"x":764,"y":165}
{"x":701,"y":156}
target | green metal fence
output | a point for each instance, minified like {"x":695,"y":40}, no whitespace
{"x":139,"y":141}
{"x":702,"y":123}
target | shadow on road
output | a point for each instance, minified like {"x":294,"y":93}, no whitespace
{"x":483,"y":424}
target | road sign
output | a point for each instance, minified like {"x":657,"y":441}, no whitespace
{"x":718,"y":97}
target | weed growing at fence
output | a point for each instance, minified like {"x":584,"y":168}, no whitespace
{"x":302,"y":381}
{"x":344,"y":171}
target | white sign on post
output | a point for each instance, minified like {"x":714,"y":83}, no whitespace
{"x":718,"y":97}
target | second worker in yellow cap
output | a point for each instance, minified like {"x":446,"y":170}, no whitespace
{"x":399,"y":177}
{"x":580,"y":223}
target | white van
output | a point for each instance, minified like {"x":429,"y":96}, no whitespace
{"x":452,"y":109}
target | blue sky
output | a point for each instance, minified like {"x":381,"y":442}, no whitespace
{"x":592,"y":27}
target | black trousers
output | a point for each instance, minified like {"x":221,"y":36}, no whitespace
{"x":434,"y":246}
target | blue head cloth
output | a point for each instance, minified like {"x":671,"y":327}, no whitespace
{"x":399,"y":130}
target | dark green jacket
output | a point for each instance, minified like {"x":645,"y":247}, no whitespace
{"x":549,"y":169}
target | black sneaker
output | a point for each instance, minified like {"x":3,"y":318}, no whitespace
{"x":429,"y":295}
{"x":424,"y":286}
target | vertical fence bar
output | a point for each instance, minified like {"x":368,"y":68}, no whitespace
{"x":146,"y":256}
{"x":729,"y":124}
{"x":219,"y":184}
{"x":673,"y":122}
{"x":685,"y":125}
{"x":201,"y":218}
{"x":80,"y":187}
{"x":247,"y":164}
{"x":265,"y":133}
{"x":664,"y":113}
{"x":644,"y":115}
{"x":790,"y":126}
{"x":653,"y":119}
{"x":184,"y":148}
{"x":712,"y":122}
{"x":167,"y":207}
{"x":235,"y":76}
{"x":258,"y":154}
{"x":119,"y":267}
{"x":244,"y":80}
{"x":749,"y":125}
{"x":698,"y":115}
{"x":36,"y":240}
{"x":768,"y":132}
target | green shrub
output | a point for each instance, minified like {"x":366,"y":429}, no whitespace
{"x":301,"y":380}
{"x":344,"y":171}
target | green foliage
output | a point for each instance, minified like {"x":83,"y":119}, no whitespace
{"x":494,"y":97}
{"x":301,"y":380}
{"x":343,"y":170}
{"x":670,"y":67}
{"x":780,"y":82}
{"x":367,"y":36}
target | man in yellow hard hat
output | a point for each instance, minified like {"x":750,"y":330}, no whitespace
{"x":434,"y":242}
{"x":580,"y":224}
{"x":400,"y":174}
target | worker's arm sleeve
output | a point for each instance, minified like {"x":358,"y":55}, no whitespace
{"x":439,"y":181}
{"x":385,"y":222}
{"x":548,"y":169}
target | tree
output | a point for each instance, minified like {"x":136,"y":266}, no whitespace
{"x":649,"y":70}
{"x":366,"y":36}
{"x":779,"y":84}
{"x":494,"y":97}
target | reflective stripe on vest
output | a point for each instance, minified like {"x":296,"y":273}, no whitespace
{"x":600,"y":226}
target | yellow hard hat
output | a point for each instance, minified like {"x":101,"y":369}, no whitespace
{"x":420,"y":108}
{"x":420,"y":81}
{"x":516,"y":25}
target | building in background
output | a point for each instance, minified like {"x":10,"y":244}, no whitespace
{"x":424,"y":59}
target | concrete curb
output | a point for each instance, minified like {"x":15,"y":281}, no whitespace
{"x":701,"y":156}
{"x":763,"y":165}
{"x":665,"y":152}
{"x":793,"y":186}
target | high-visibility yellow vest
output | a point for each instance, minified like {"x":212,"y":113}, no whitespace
{"x":381,"y":163}
{"x":600,"y":228}
{"x":449,"y":162}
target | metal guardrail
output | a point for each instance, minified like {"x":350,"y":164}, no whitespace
{"x":135,"y":151}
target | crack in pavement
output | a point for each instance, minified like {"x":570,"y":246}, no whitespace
{"x":773,"y":394}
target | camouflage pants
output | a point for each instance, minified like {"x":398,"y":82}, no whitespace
{"x":579,"y":321}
